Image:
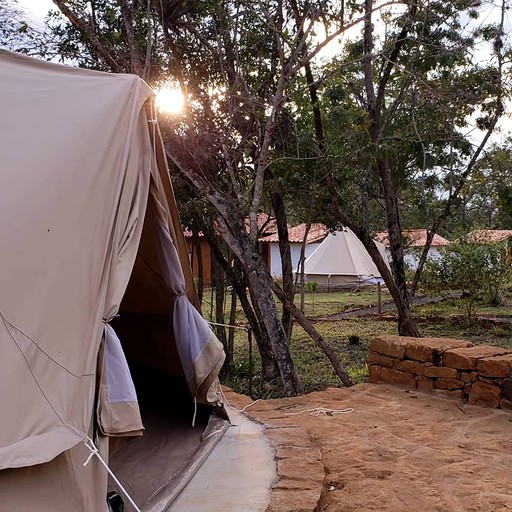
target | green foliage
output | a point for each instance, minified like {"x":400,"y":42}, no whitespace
{"x":19,"y":32}
{"x":359,"y":374}
{"x":330,"y":303}
{"x":498,"y":273}
{"x":430,"y":101}
{"x":479,"y":271}
{"x":434,"y":278}
{"x":311,"y":286}
{"x":316,"y":372}
{"x":486,"y":198}
{"x":242,"y":137}
{"x":505,"y":204}
{"x":466,"y":268}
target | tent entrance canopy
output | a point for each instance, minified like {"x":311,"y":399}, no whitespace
{"x":82,"y":173}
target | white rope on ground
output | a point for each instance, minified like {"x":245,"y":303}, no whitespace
{"x":317,"y":411}
{"x":250,"y":405}
{"x":94,"y":452}
{"x":226,"y":401}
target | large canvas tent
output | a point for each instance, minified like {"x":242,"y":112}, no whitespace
{"x":95,"y":288}
{"x":341,"y":261}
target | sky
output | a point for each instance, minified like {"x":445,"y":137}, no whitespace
{"x":39,"y":8}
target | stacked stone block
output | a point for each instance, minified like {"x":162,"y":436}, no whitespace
{"x":480,"y":374}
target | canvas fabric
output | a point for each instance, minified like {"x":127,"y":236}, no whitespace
{"x":342,"y":260}
{"x":74,"y":179}
{"x":118,"y":411}
{"x":78,"y":159}
{"x":201,"y":353}
{"x":62,"y":485}
{"x":342,"y":281}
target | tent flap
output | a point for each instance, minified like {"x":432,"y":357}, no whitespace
{"x":201,"y":353}
{"x":118,"y":408}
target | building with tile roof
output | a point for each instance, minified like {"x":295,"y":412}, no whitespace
{"x":415,"y":240}
{"x":489,"y":236}
{"x":296,"y":234}
{"x":200,"y":250}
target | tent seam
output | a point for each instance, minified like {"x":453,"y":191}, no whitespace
{"x":64,"y":423}
{"x":8,"y":324}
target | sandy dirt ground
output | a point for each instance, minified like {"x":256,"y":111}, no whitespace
{"x":396,"y":451}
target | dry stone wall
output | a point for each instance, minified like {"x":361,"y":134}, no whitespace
{"x":480,"y":374}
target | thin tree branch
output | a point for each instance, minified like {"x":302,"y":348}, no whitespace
{"x":88,"y":33}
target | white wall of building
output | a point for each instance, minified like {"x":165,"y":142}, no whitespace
{"x":412,"y":256}
{"x":275,"y":257}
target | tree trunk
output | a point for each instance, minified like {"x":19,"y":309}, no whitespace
{"x":231,"y":226}
{"x":236,"y":277}
{"x":302,"y":260}
{"x":269,"y":367}
{"x":262,"y":296}
{"x":406,"y":324}
{"x":374,"y":105}
{"x":314,"y":335}
{"x":219,"y":287}
{"x":231,"y":332}
{"x":286,"y":259}
{"x":196,"y":243}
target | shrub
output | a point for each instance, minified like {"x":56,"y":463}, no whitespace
{"x":476,"y":269}
{"x":311,"y":286}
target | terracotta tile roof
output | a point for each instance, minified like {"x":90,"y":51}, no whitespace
{"x":489,"y":236}
{"x":266,"y":224}
{"x":414,"y":238}
{"x":263,"y":219}
{"x":296,"y":234}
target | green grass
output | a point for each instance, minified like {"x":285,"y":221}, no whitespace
{"x":454,"y":307}
{"x":316,"y":304}
{"x":440,"y":319}
{"x":316,"y":371}
{"x":322,"y":304}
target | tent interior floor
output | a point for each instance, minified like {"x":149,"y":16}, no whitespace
{"x":162,"y":460}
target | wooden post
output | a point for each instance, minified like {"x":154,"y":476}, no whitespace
{"x":379,"y":298}
{"x":249,"y":336}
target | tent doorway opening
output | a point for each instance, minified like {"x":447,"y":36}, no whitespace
{"x":179,"y":432}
